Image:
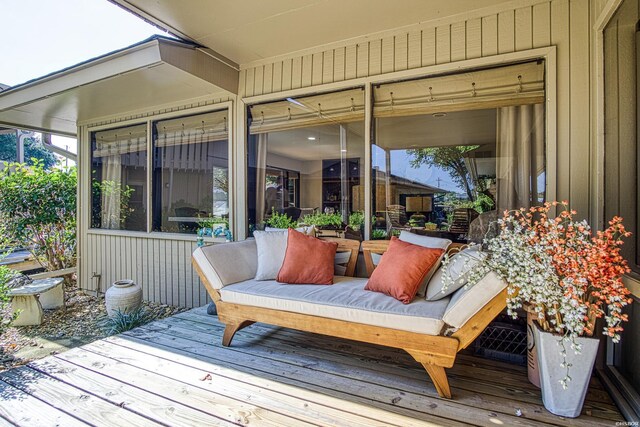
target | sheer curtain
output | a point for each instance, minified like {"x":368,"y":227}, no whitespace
{"x":261,"y":178}
{"x":111,"y":189}
{"x":520,"y":148}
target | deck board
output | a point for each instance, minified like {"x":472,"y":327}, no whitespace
{"x":175,"y":372}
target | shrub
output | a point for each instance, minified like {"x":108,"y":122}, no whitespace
{"x":356,"y":220}
{"x":323,"y":220}
{"x":6,"y":318}
{"x":278,"y":220}
{"x":125,"y":321}
{"x":38,"y":212}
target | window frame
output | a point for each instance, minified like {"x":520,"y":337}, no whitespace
{"x":548,"y":54}
{"x":149,"y":121}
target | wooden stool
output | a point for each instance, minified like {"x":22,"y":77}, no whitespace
{"x":32,"y":298}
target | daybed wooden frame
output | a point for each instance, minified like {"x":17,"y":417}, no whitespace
{"x":435,"y":353}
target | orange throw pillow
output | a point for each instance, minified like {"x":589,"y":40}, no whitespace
{"x":401,"y":269}
{"x":308,"y":260}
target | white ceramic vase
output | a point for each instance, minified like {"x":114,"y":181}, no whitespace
{"x":124,"y":296}
{"x":564,"y":402}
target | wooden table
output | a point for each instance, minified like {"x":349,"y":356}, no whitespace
{"x":32,"y":298}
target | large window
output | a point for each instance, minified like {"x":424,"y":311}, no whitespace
{"x":190,"y":171}
{"x":119,"y":178}
{"x":306,"y":159}
{"x":189,"y":174}
{"x":451,"y":152}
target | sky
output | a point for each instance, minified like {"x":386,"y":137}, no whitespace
{"x":38,"y":37}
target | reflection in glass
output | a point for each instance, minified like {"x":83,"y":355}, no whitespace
{"x":304,"y":160}
{"x":119,"y":178}
{"x":190,"y":171}
{"x":448,"y":173}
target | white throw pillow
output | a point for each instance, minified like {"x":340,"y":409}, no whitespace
{"x":458,"y":270}
{"x":427,"y":242}
{"x":272,"y":246}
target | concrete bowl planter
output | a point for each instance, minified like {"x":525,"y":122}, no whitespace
{"x":557,"y":400}
{"x":124,"y":296}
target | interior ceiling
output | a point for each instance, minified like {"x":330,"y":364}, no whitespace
{"x":295,"y":143}
{"x":396,"y":133}
{"x":456,"y":128}
{"x":249,"y":30}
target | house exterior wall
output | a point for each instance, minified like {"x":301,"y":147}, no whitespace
{"x":162,"y":263}
{"x":565,"y":24}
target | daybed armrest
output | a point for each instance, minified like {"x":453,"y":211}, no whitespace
{"x":227,"y":263}
{"x":465,"y":303}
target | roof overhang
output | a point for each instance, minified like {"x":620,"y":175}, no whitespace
{"x":157,"y":71}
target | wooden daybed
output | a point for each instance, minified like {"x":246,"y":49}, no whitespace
{"x":220,"y":266}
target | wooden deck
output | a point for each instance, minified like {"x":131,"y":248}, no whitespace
{"x":175,"y":372}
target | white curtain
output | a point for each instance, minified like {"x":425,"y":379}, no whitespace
{"x":520,"y":163}
{"x":111,"y":189}
{"x":261,"y":176}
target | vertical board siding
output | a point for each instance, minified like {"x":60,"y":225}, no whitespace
{"x":620,"y":144}
{"x":541,"y":31}
{"x":428,"y":47}
{"x":579,"y":144}
{"x":375,"y":57}
{"x":316,"y":68}
{"x":560,"y":37}
{"x":506,"y":31}
{"x":443,"y":44}
{"x":474,"y":38}
{"x":414,"y":52}
{"x":162,"y":266}
{"x":459,"y":41}
{"x":523,"y":29}
{"x":401,"y":52}
{"x":362,"y":59}
{"x":490,"y":35}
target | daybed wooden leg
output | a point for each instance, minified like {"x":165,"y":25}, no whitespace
{"x":230,"y":330}
{"x":439,"y":378}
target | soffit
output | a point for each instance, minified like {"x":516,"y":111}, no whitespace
{"x":250,"y":30}
{"x":152,"y":73}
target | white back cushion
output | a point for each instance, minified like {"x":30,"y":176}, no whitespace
{"x":427,"y":242}
{"x":272,"y":245}
{"x":465,"y":303}
{"x":458,"y":271}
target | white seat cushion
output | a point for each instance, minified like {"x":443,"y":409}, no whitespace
{"x":345,"y":300}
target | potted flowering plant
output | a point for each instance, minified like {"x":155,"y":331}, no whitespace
{"x":570,"y":277}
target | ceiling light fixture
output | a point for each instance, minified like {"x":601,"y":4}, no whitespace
{"x":293,"y":101}
{"x":438,"y":115}
{"x":344,"y":150}
{"x":311,"y":138}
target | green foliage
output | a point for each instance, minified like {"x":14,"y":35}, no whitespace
{"x":356,"y":220}
{"x":451,"y":159}
{"x":38,"y":212}
{"x":108,"y":189}
{"x":6,"y":317}
{"x":323,"y":220}
{"x":213,"y":222}
{"x":278,"y":220}
{"x":378,"y":234}
{"x":125,"y":321}
{"x":33,"y":149}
